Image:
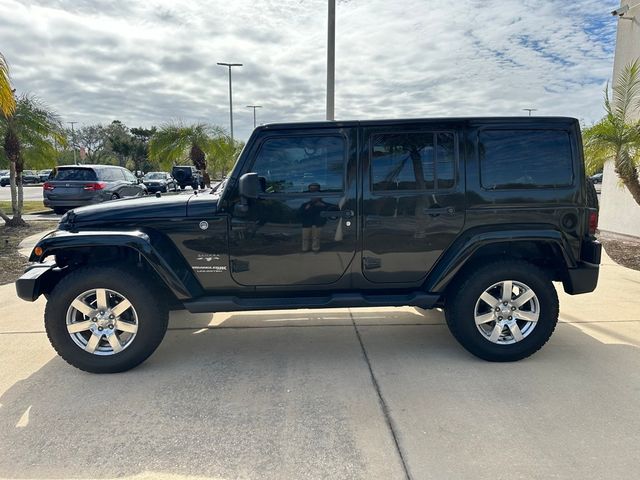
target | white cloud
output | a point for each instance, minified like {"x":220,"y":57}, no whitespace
{"x":148,"y":62}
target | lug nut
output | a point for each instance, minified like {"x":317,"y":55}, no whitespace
{"x":504,"y":303}
{"x":510,"y":318}
{"x":94,"y":319}
{"x":111,"y":326}
{"x":499,"y":318}
{"x":497,"y":309}
{"x":112,"y":316}
{"x":513,"y":309}
{"x":100,"y":328}
{"x":102,"y":312}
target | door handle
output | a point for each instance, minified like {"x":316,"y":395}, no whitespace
{"x":436,"y":211}
{"x":337,"y":214}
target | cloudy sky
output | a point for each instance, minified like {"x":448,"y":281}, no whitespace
{"x":145,"y":62}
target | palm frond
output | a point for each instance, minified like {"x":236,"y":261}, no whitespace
{"x":626,"y":91}
{"x":7,"y":98}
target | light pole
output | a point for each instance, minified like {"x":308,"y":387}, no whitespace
{"x":331,"y":59}
{"x":229,"y":65}
{"x":254,"y":113}
{"x":73,"y":139}
{"x":530,"y":110}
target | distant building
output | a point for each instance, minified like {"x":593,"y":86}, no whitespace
{"x":619,"y":213}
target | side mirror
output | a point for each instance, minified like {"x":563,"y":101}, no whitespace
{"x":249,"y":186}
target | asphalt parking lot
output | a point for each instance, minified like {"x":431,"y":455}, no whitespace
{"x":350,"y":393}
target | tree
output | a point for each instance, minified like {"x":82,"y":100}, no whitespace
{"x":7,"y":98}
{"x":175,"y":142}
{"x":225,"y":154}
{"x":94,"y":141}
{"x":140,"y":148}
{"x":617,"y":135}
{"x":29,"y":136}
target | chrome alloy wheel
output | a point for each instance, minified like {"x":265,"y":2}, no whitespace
{"x":507,"y":312}
{"x":102,"y":321}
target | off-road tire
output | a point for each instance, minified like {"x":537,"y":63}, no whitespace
{"x":463,"y":295}
{"x":152,"y":311}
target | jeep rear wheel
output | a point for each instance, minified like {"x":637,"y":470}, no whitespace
{"x":105,"y":320}
{"x":503,"y":311}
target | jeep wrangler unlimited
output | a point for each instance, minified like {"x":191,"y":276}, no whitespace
{"x":186,"y":175}
{"x":477,"y":216}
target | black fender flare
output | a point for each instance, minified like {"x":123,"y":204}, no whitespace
{"x":171,"y":267}
{"x":463,"y":249}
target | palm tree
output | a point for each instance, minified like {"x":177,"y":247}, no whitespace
{"x":29,"y":136}
{"x":617,"y":135}
{"x":7,"y":99}
{"x":225,"y":154}
{"x":175,"y":142}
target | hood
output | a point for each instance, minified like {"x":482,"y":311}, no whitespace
{"x":173,"y":206}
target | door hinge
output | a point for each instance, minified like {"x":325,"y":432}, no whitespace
{"x":238,"y":266}
{"x":370,"y":263}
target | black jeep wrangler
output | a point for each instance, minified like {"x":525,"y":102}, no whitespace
{"x":477,"y":216}
{"x":186,"y":175}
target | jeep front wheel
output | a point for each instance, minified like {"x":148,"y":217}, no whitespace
{"x":503,"y":311}
{"x":105,"y":319}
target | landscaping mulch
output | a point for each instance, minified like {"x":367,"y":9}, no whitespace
{"x":625,"y":251}
{"x":11,"y":262}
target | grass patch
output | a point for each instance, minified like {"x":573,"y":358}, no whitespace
{"x":30,"y":206}
{"x":12,"y":262}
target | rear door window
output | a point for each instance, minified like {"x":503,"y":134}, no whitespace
{"x":413,"y":161}
{"x":76,"y":174}
{"x":515,"y":159}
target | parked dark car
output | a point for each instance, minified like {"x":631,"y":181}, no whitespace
{"x":477,"y":216}
{"x":597,"y":182}
{"x":159,"y":182}
{"x":28,"y":177}
{"x":186,"y":175}
{"x":77,"y":185}
{"x":43,"y":175}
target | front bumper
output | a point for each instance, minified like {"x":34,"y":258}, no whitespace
{"x":37,"y":279}
{"x":157,"y":188}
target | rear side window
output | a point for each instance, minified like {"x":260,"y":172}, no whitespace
{"x":111,"y":175}
{"x":298,"y":164}
{"x":79,"y":174}
{"x":413,"y":161}
{"x":511,"y":159}
{"x":128,"y":175}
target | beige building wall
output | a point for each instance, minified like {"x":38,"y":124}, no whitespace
{"x":619,"y":213}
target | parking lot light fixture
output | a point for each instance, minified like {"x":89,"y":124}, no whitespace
{"x":254,"y":113}
{"x":229,"y":65}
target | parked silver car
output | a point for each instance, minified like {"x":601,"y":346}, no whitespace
{"x":77,"y":185}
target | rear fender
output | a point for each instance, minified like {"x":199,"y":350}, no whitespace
{"x":170,"y":266}
{"x":463,"y":250}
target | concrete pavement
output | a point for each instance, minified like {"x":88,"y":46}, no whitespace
{"x":350,"y":393}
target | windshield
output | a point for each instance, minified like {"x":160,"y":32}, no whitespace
{"x":154,"y":176}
